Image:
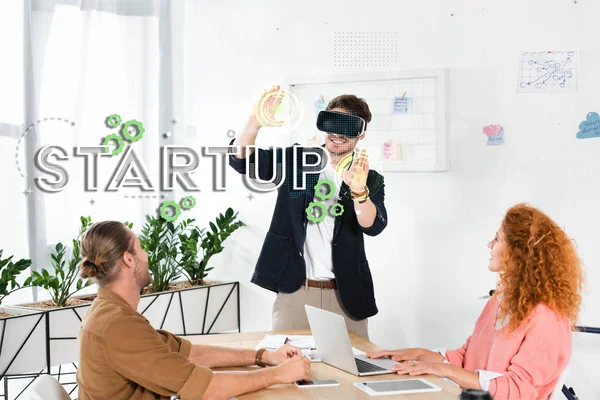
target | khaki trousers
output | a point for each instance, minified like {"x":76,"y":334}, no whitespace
{"x":289,"y":312}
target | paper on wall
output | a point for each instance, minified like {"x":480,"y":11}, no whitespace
{"x":400,"y":105}
{"x":497,"y":139}
{"x":389,"y":150}
{"x":491,"y":130}
{"x":590,"y":128}
{"x":548,"y":72}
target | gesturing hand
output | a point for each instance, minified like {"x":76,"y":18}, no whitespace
{"x":264,"y":110}
{"x":356,"y":176}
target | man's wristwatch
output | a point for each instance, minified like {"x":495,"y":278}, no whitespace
{"x":258,"y":358}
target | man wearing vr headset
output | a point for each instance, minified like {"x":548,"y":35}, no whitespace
{"x":320,"y":264}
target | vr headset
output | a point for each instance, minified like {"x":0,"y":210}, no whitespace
{"x":339,"y":123}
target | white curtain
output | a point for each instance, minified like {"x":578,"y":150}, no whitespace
{"x":83,"y":61}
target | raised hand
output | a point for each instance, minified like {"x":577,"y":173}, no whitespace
{"x":264,"y":110}
{"x":356,"y":176}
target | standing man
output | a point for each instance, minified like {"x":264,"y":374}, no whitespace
{"x":322,"y":264}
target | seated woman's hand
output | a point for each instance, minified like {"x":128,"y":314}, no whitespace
{"x":398,"y":355}
{"x":414,"y":367}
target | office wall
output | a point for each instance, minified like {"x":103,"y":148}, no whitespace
{"x":430,"y":265}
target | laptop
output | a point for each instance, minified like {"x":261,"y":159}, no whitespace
{"x":334,"y":347}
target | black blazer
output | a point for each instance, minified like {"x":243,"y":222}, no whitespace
{"x":281,"y":266}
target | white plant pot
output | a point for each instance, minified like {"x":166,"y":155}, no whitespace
{"x":22,"y":341}
{"x":53,"y":339}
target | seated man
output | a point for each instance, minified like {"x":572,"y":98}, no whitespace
{"x":123,"y":357}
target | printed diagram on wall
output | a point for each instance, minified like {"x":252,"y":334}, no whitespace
{"x":548,"y":72}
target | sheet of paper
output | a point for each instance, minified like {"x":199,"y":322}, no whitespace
{"x":496,"y":140}
{"x":548,"y":72}
{"x":400,"y":105}
{"x":306,"y":343}
{"x":390,"y":150}
{"x":590,"y":128}
{"x":491,"y":130}
{"x":272,"y":342}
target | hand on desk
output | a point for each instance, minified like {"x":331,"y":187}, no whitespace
{"x":281,"y":355}
{"x":413,"y":367}
{"x":295,"y":369}
{"x":409,"y":354}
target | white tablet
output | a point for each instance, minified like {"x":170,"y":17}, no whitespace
{"x":400,"y":386}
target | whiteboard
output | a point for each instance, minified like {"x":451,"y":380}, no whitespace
{"x":408,"y":131}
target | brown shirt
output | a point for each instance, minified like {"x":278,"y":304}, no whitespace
{"x":122,"y":356}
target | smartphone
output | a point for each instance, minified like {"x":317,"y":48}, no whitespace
{"x":307,"y":384}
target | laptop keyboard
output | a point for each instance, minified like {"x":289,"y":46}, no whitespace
{"x":364,"y":366}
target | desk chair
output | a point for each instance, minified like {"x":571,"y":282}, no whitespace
{"x":46,"y":387}
{"x":557,"y":393}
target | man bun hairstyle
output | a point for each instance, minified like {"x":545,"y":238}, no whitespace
{"x":102,"y":246}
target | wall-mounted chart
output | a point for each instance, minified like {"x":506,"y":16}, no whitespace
{"x":548,"y":72}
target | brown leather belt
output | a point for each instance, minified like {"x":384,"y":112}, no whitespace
{"x":321,"y":284}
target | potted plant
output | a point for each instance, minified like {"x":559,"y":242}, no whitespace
{"x":59,"y":283}
{"x":211,"y":243}
{"x":8,"y":278}
{"x":18,"y":327}
{"x":182,"y":250}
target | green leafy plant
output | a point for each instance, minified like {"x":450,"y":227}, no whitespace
{"x":59,"y":284}
{"x":183,"y":249}
{"x":209,"y":241}
{"x":160,"y":239}
{"x":8,"y":276}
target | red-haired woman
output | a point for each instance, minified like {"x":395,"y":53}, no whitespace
{"x":521,"y":342}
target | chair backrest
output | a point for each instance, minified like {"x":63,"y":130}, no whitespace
{"x":46,"y":387}
{"x":557,"y":392}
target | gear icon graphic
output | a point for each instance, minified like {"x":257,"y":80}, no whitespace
{"x":113,"y":121}
{"x":173,"y":205}
{"x":117,"y":138}
{"x":311,"y":217}
{"x":188,"y":202}
{"x":139,"y":128}
{"x":333,"y":209}
{"x":320,"y":183}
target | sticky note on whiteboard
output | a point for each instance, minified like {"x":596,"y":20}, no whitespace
{"x":389,"y":151}
{"x":497,"y":139}
{"x":400,"y":105}
{"x":320,"y":105}
{"x":492,"y":130}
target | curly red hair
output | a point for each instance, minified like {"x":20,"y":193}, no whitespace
{"x":539,"y":265}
